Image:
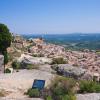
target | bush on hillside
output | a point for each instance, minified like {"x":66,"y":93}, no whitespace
{"x":2,"y":93}
{"x":89,"y":87}
{"x":31,"y":66}
{"x":33,"y":93}
{"x":38,"y":55}
{"x":68,"y":97}
{"x":16,"y":65}
{"x":62,"y":88}
{"x":7,"y":70}
{"x":58,"y":61}
{"x":49,"y":98}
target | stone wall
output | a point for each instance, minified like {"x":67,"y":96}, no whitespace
{"x":1,"y":63}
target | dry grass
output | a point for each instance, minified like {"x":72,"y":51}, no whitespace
{"x":4,"y":93}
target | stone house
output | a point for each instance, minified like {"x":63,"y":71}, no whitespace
{"x":1,"y":63}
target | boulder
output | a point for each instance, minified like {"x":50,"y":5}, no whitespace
{"x":27,"y":59}
{"x":69,"y":70}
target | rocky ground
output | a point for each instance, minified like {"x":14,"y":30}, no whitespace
{"x":17,"y":83}
{"x":90,"y":96}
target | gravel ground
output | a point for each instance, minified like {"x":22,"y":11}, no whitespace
{"x":17,"y":83}
{"x":90,"y":96}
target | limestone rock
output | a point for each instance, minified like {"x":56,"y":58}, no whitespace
{"x":69,"y":70}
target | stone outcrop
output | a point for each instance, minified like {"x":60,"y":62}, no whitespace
{"x":26,"y":59}
{"x":69,"y":70}
{"x":89,"y":96}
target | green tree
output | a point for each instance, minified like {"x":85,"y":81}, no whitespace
{"x":5,"y":41}
{"x":5,"y":38}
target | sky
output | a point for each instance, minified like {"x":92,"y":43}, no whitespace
{"x":51,"y":16}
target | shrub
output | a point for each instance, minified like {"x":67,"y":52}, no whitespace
{"x":10,"y":57}
{"x":33,"y":93}
{"x":58,"y":61}
{"x":7,"y":70}
{"x":64,"y":83}
{"x":68,"y":97}
{"x":24,"y":65}
{"x":1,"y":94}
{"x":49,"y":98}
{"x":62,"y":88}
{"x":16,"y":65}
{"x":38,"y":55}
{"x":89,"y":87}
{"x":31,"y":66}
{"x":35,"y":55}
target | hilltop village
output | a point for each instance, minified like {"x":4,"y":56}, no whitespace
{"x":46,"y":60}
{"x":34,"y":49}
